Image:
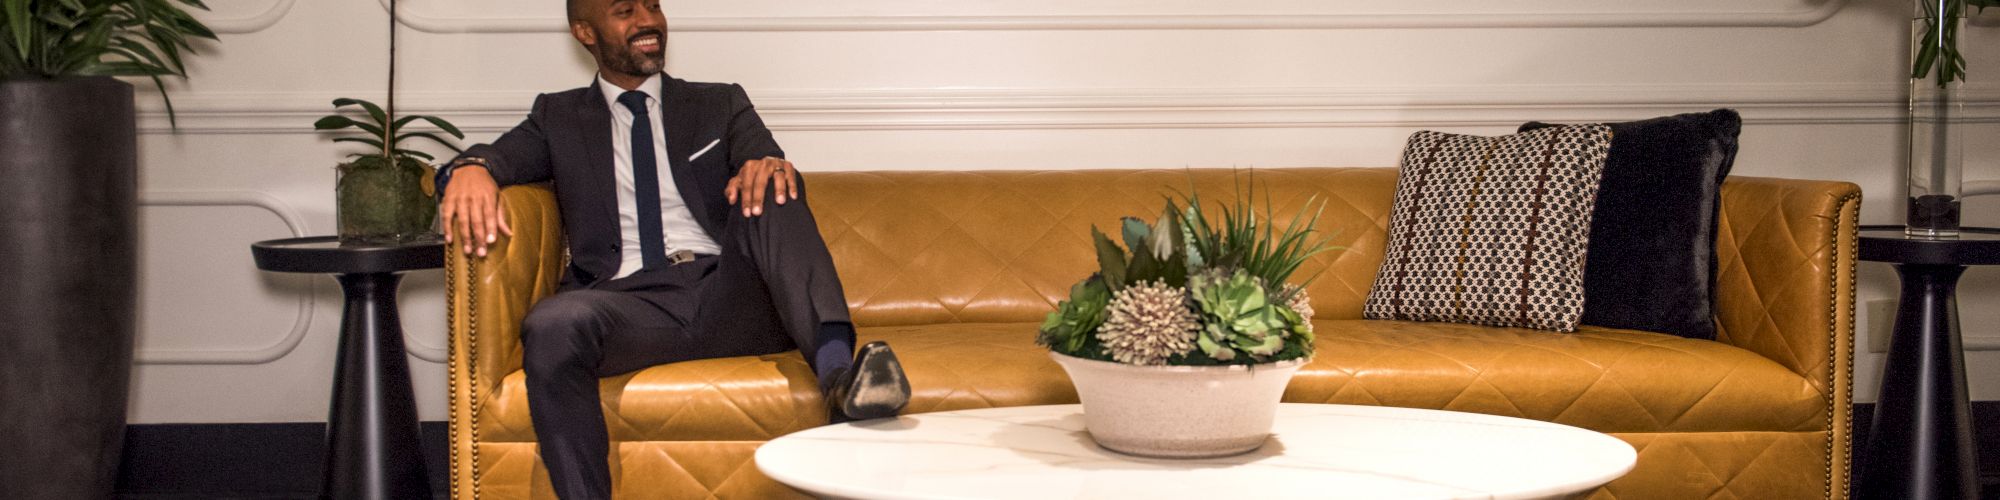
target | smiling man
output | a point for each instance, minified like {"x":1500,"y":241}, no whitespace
{"x":689,"y":238}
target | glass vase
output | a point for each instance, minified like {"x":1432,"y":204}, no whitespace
{"x":1937,"y":111}
{"x":378,"y":202}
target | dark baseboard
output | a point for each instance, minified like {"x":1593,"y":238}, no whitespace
{"x":243,"y":461}
{"x":282,"y":461}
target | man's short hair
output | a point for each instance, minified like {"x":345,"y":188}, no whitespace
{"x":573,"y":14}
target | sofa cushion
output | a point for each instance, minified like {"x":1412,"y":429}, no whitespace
{"x":1652,"y":236}
{"x":754,"y":398}
{"x":1492,"y":230}
{"x":1601,"y":379}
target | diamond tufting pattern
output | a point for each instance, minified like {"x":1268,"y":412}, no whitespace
{"x":953,"y":268}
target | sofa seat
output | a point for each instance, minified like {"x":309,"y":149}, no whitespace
{"x":1601,"y":379}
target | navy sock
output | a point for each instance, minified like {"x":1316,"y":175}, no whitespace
{"x":835,"y":352}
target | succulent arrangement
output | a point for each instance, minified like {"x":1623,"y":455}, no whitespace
{"x":1191,"y":290}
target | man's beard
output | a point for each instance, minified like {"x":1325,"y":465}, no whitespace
{"x":620,"y":57}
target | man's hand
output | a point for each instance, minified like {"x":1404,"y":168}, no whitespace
{"x":471,"y":210}
{"x":755,"y":175}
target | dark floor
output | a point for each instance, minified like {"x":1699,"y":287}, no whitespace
{"x":282,"y":461}
{"x":243,"y":461}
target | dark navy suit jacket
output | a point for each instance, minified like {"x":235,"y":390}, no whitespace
{"x":566,"y":140}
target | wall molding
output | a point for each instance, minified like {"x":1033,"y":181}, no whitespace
{"x":1794,"y":18}
{"x":1140,"y":108}
{"x":300,"y":324}
{"x":253,"y":23}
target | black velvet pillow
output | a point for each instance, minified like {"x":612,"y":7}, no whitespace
{"x":1651,"y":260}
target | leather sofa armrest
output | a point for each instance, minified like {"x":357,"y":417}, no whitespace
{"x":487,"y":297}
{"x":1785,"y":255}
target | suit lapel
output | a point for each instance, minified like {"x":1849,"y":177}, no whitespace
{"x":678,"y":117}
{"x":602,"y":179}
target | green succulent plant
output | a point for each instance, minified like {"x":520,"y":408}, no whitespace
{"x":54,"y":38}
{"x":1241,"y":317}
{"x":1070,"y":329}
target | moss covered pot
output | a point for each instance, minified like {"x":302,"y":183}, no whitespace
{"x":383,"y":203}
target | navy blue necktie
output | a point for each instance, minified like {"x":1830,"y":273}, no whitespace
{"x":646,"y":182}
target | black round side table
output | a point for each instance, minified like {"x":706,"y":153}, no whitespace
{"x":1920,"y":442}
{"x":372,"y":446}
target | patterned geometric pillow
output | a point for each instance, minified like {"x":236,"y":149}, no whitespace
{"x":1492,"y":230}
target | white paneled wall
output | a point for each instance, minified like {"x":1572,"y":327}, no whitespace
{"x":1021,"y":84}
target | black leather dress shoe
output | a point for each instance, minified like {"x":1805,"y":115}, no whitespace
{"x":874,"y":387}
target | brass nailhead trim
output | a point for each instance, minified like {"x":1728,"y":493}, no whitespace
{"x":1833,"y":373}
{"x":471,"y":400}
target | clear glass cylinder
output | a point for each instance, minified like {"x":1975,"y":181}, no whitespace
{"x":1937,"y":128}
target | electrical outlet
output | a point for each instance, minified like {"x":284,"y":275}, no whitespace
{"x":1881,"y":324}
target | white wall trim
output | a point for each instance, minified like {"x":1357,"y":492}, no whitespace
{"x":423,"y":351}
{"x":253,"y":23}
{"x":437,"y":23}
{"x":1982,"y":343}
{"x":300,"y":324}
{"x":1141,"y":108}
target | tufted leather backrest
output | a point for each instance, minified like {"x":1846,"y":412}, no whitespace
{"x":977,"y":247}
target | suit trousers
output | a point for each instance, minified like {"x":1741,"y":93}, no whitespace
{"x":768,"y":292}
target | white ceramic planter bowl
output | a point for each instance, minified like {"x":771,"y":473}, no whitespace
{"x":1178,"y":411}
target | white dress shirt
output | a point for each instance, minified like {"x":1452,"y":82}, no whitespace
{"x":682,"y":232}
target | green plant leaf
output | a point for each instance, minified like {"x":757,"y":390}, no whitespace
{"x":22,"y":26}
{"x":371,"y":142}
{"x":1110,"y":260}
{"x":432,"y":137}
{"x":1135,"y":233}
{"x":415,"y":153}
{"x":333,"y":122}
{"x":374,"y":112}
{"x":439,"y":122}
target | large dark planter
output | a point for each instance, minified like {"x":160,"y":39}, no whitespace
{"x":68,"y":183}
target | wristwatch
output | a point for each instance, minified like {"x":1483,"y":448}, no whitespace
{"x":444,"y":174}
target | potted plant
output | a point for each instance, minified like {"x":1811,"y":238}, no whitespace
{"x":1182,"y":343}
{"x":68,"y":229}
{"x":384,"y":196}
{"x":1937,"y":139}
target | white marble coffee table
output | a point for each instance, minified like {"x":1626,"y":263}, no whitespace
{"x":1317,"y":451}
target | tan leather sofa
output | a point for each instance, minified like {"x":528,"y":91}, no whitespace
{"x":955,"y":269}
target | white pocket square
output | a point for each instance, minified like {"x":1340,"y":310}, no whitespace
{"x":704,"y":149}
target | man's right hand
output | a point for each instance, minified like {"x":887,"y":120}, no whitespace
{"x":471,"y":210}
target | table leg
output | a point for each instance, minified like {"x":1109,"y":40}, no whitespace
{"x":1920,"y":443}
{"x":372,"y":447}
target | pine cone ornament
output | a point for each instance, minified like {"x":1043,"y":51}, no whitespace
{"x":1148,"y":323}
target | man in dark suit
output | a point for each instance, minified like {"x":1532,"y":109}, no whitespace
{"x":663,"y":268}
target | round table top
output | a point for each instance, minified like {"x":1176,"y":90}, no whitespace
{"x":1974,"y":246}
{"x":1316,"y":451}
{"x":325,"y":254}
